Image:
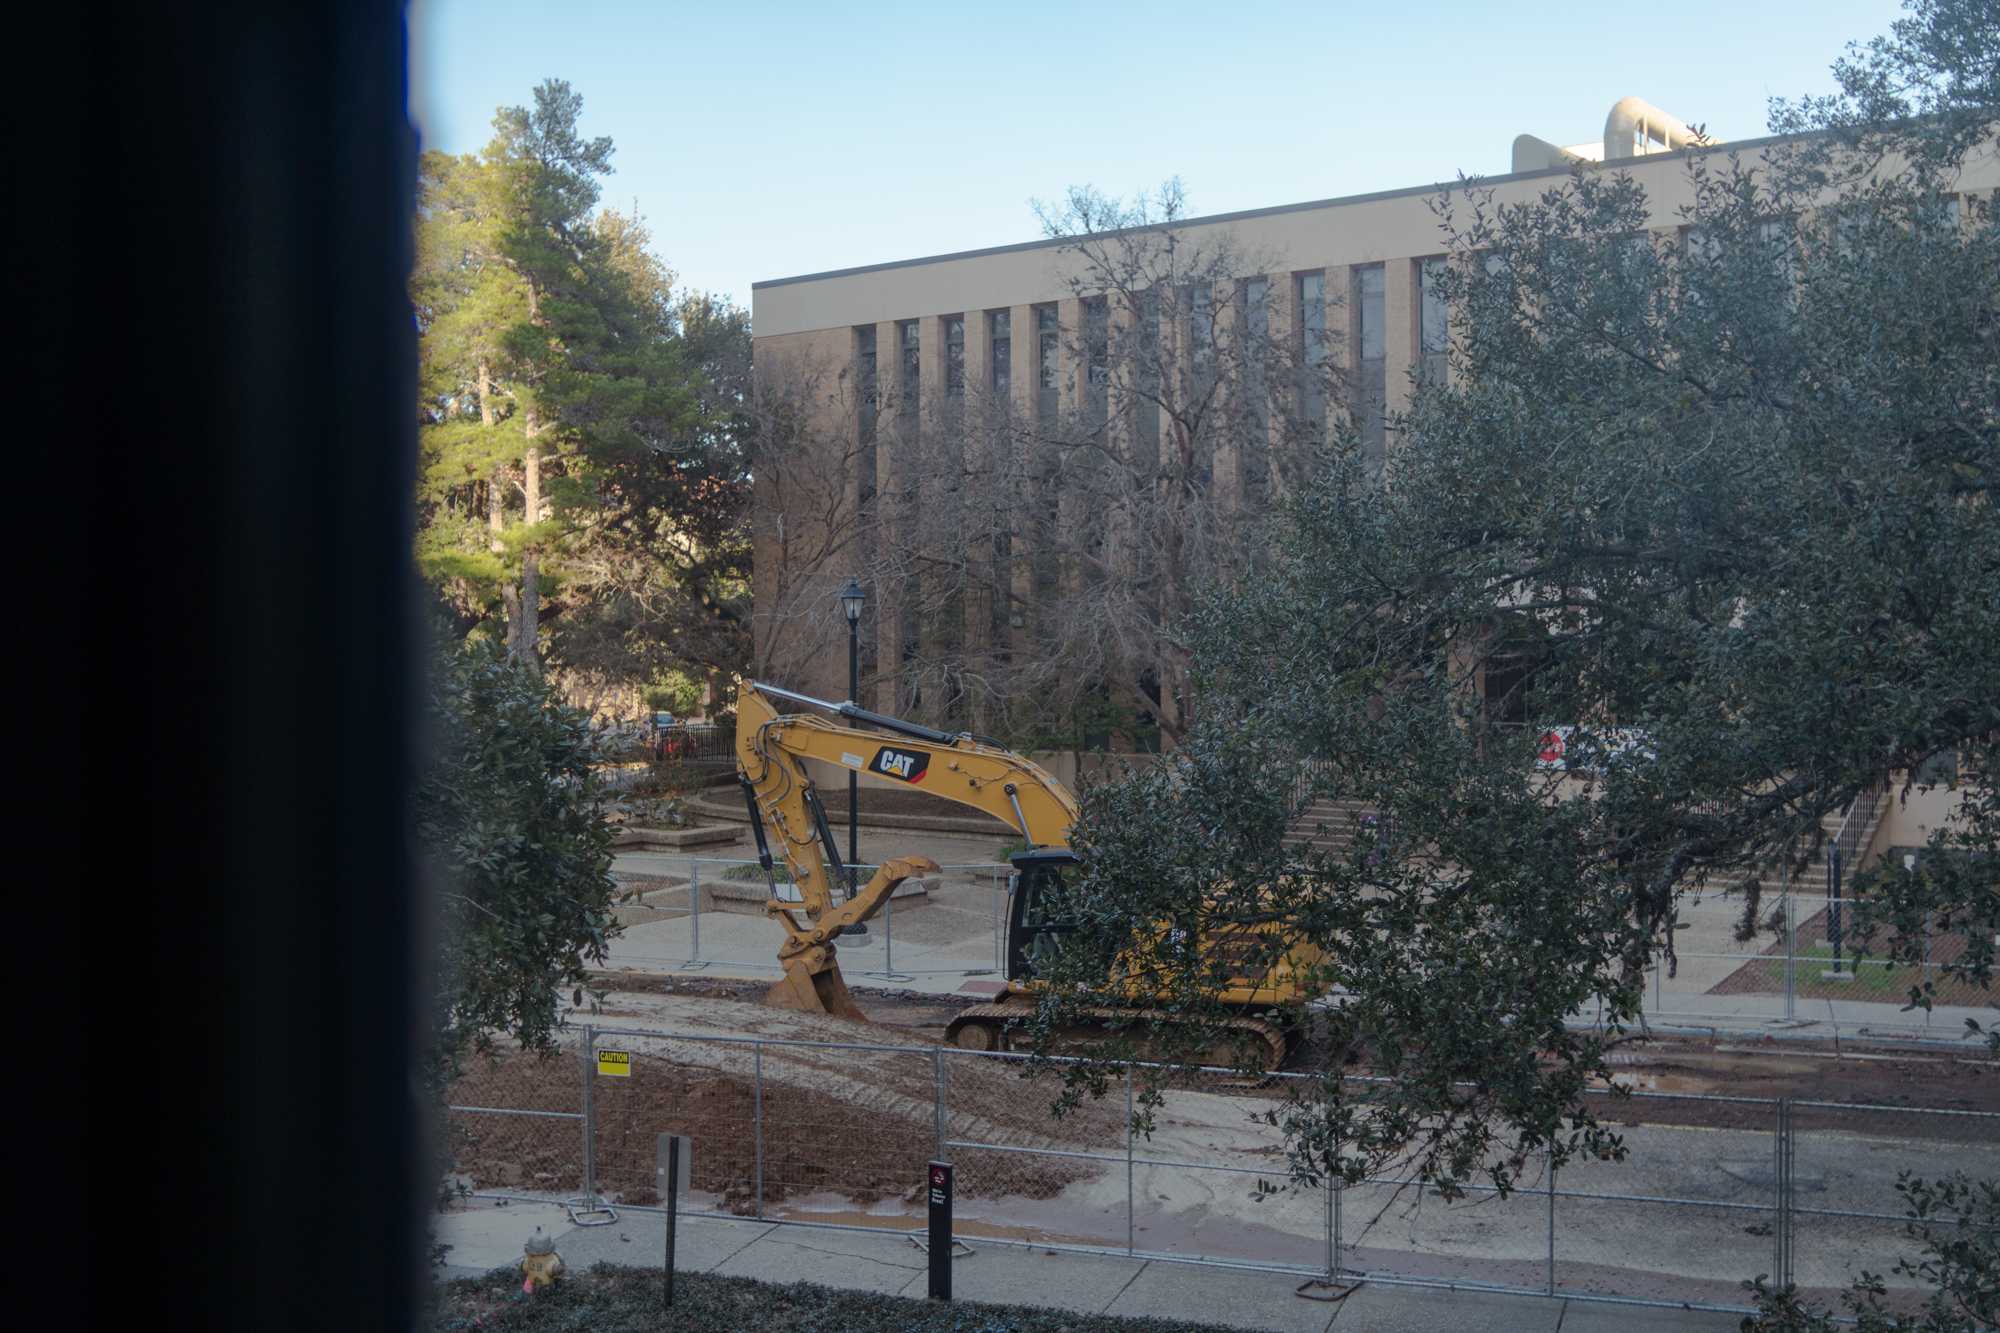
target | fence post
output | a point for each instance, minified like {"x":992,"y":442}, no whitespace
{"x":757,"y":1119}
{"x":1782,"y":1185}
{"x":589,"y":1116}
{"x":937,"y":1075}
{"x":1924,"y":976}
{"x":1552,"y":1220}
{"x":999,"y":965}
{"x":1791,"y":952}
{"x":1131,"y":1217}
{"x":1777,"y":1193}
{"x":694,"y":904}
{"x":1332,"y":1228}
{"x":888,"y":972}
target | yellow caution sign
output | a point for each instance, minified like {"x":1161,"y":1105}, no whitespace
{"x":615,"y":1064}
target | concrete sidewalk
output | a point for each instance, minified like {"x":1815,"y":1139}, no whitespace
{"x":485,"y":1235}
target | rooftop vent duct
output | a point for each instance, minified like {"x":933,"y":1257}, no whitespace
{"x":1636,"y":128}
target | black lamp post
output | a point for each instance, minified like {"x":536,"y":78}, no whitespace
{"x":851,"y":600}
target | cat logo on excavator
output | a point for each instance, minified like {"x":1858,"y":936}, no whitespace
{"x":909,"y":765}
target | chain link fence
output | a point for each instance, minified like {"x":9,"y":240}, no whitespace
{"x":1798,"y":969}
{"x":1711,"y":1190}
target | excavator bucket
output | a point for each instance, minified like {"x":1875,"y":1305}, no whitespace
{"x":821,"y":992}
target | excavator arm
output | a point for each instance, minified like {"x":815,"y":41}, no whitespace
{"x":772,"y":750}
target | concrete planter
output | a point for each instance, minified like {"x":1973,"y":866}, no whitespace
{"x":678,"y":839}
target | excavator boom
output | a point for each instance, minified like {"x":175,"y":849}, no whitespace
{"x":773,"y":750}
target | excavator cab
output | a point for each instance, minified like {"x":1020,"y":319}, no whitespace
{"x":1033,"y":930}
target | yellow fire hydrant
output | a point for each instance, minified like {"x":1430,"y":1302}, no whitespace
{"x":540,"y":1264}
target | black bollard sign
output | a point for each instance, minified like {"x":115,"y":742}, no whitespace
{"x":940,"y":1246}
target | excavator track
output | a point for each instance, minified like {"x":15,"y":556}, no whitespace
{"x":990,"y":1027}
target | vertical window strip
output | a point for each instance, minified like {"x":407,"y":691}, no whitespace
{"x":999,"y":334}
{"x":1371,"y":346}
{"x":1310,"y":297}
{"x":954,"y":356}
{"x":865,"y":379}
{"x":910,"y":337}
{"x":1433,"y":323}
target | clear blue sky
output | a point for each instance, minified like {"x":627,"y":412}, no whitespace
{"x":762,"y":141}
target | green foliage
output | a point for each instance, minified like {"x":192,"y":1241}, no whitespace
{"x":1733,"y":491}
{"x":611,"y":1299}
{"x":583,"y":482}
{"x":509,"y":821}
{"x":675,"y":692}
{"x":1956,"y":1224}
{"x":755,"y":873}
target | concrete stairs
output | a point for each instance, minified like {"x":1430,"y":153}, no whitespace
{"x":1329,"y":826}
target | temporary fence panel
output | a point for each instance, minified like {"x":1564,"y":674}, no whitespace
{"x":1211,"y":1175}
{"x":1691,"y":1211}
{"x":1024,"y":1173}
{"x":1846,"y":1214}
{"x":706,"y":1091}
{"x":848,"y":1130}
{"x":514,"y":1123}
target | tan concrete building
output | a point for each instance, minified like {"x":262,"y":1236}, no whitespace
{"x":1015,"y":330}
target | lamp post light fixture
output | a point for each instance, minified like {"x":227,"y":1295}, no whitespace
{"x":851,"y":600}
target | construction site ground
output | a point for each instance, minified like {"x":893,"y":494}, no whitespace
{"x":848,"y":1125}
{"x":845,"y":1133}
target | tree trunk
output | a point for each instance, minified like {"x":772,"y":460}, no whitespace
{"x":531,"y":582}
{"x":496,"y":510}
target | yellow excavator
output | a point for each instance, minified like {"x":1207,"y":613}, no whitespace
{"x":772,"y":750}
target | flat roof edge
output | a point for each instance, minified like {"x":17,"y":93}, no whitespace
{"x":1372,"y":196}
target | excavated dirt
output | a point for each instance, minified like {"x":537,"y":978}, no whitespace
{"x":854,"y":1119}
{"x":812,"y":1143}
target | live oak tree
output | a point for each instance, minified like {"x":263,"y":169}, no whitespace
{"x":1730,"y":490}
{"x":517,"y":852}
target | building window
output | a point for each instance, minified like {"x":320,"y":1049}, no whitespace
{"x":1146,"y":370}
{"x":1097,"y":354}
{"x":1201,"y":329}
{"x":1433,"y":322}
{"x":1310,"y":293}
{"x":1097,"y":340}
{"x":865,"y":378}
{"x":1777,"y":246}
{"x":909,"y":338}
{"x":954,"y":356}
{"x":1371,"y":370}
{"x":999,"y":335}
{"x":1255,"y":319}
{"x":1700,"y":258}
{"x":1048,"y":350}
